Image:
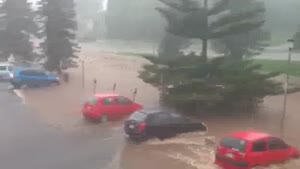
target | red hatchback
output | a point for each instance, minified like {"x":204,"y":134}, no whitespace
{"x":106,"y":107}
{"x":245,"y":150}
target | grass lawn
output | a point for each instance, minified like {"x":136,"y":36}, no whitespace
{"x":280,"y":66}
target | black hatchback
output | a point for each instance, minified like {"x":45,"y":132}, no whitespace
{"x":160,"y":124}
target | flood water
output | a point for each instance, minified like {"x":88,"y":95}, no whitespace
{"x":193,"y":150}
{"x":61,"y":107}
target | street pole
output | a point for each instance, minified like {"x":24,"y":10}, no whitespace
{"x":285,"y":94}
{"x":83,"y":73}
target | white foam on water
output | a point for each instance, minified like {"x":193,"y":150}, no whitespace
{"x":207,"y":154}
{"x":198,"y":139}
{"x":20,"y":94}
{"x":192,"y":162}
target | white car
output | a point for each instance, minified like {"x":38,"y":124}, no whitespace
{"x":6,"y":71}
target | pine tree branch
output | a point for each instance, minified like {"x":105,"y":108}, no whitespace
{"x":218,"y":7}
{"x":235,"y":29}
{"x":228,"y":19}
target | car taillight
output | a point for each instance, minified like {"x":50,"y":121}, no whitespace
{"x":142,"y":127}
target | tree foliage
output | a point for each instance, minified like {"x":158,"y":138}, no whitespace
{"x":194,"y":20}
{"x":248,"y":43}
{"x":17,"y":29}
{"x":171,"y":45}
{"x":192,"y":83}
{"x":297,"y":40}
{"x":58,"y":18}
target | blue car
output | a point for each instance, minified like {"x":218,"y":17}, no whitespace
{"x":33,"y":78}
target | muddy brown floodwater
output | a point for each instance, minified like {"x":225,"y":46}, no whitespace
{"x":60,"y":107}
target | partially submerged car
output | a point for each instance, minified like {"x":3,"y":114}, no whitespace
{"x":6,"y":71}
{"x":145,"y":124}
{"x":104,"y":107}
{"x":32,"y":77}
{"x":248,"y":149}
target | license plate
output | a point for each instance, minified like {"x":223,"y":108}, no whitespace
{"x":229,"y":155}
{"x":131,"y":126}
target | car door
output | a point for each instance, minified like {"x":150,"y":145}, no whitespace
{"x":41,"y":78}
{"x":178,"y":123}
{"x":110,"y":108}
{"x":278,"y":150}
{"x":160,"y":125}
{"x":258,"y":154}
{"x":27,"y":77}
{"x":125,"y":106}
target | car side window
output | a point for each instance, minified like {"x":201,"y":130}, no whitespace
{"x":40,"y":73}
{"x":32,"y":73}
{"x":277,"y":144}
{"x":27,"y":73}
{"x":10,"y":68}
{"x":259,"y":146}
{"x":108,"y":101}
{"x":175,"y":118}
{"x":160,"y":118}
{"x":123,"y":101}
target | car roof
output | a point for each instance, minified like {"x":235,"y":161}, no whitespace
{"x":5,"y":64}
{"x":155,"y":111}
{"x":106,"y":95}
{"x":28,"y":68}
{"x":250,"y":135}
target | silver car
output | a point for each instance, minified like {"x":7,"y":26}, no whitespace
{"x":6,"y":71}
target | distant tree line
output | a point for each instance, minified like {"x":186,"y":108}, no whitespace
{"x":53,"y":23}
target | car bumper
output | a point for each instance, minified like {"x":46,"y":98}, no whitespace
{"x":91,"y":115}
{"x":5,"y":78}
{"x":134,"y":134}
{"x":228,"y":164}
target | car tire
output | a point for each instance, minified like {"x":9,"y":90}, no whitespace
{"x":16,"y":86}
{"x":136,"y":140}
{"x":57,"y":83}
{"x":103,"y":119}
{"x":23,"y":86}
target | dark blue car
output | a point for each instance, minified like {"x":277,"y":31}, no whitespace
{"x":33,"y":78}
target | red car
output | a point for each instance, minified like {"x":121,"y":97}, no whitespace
{"x":104,"y":107}
{"x":245,"y":150}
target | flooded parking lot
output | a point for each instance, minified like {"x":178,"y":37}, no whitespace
{"x":59,"y":107}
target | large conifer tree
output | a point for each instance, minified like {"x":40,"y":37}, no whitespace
{"x":17,"y":29}
{"x":59,"y":28}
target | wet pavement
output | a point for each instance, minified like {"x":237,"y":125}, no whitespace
{"x":29,"y":144}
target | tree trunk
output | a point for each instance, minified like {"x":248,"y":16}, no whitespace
{"x":205,"y":39}
{"x":204,"y":49}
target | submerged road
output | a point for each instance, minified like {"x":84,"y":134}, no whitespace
{"x":29,"y":144}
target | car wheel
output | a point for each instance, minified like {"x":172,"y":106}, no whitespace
{"x":23,"y":86}
{"x":103,"y":119}
{"x":16,"y":86}
{"x":57,"y":83}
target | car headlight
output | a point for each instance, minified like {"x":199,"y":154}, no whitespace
{"x":11,"y":75}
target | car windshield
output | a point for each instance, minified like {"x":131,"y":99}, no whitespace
{"x":2,"y":68}
{"x":92,"y":100}
{"x":138,"y":116}
{"x":234,"y":143}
